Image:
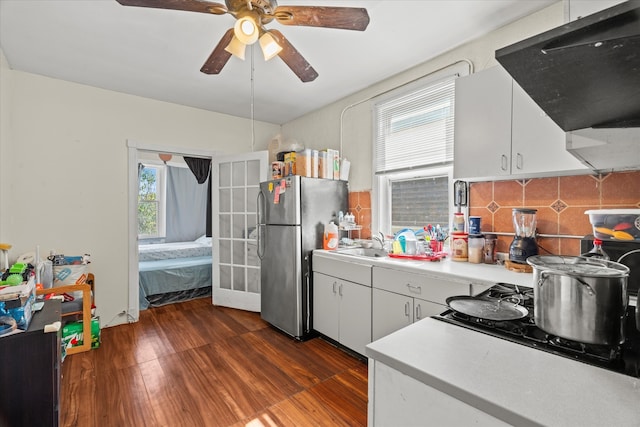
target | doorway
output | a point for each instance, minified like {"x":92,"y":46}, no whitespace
{"x":134,"y":156}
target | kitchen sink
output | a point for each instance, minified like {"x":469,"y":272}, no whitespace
{"x":363,"y":252}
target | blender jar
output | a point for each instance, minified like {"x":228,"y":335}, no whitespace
{"x":524,"y":222}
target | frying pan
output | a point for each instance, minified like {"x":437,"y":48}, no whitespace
{"x":498,"y":310}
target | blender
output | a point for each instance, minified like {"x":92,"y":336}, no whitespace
{"x":524,"y":244}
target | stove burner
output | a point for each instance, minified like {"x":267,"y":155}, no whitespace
{"x":623,"y":359}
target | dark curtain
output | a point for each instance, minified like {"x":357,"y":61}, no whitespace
{"x":201,"y":168}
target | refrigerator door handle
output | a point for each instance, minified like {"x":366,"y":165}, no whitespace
{"x":261,"y":225}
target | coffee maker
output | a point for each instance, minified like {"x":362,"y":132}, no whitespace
{"x":524,"y":244}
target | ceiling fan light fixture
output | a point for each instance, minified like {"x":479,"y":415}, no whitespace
{"x":236,"y":48}
{"x":246,"y":30}
{"x":269,"y":46}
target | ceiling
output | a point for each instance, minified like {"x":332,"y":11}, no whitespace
{"x":158,"y":54}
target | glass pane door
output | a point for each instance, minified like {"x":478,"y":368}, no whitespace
{"x":236,"y":266}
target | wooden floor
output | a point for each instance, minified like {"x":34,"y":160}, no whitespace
{"x":193,"y":364}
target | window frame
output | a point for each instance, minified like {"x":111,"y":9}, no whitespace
{"x":161,"y":199}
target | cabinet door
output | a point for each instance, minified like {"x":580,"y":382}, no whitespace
{"x":355,"y":315}
{"x":538,"y":144}
{"x":423,"y":309}
{"x":482,"y":145}
{"x":390,"y":312}
{"x":326,"y":305}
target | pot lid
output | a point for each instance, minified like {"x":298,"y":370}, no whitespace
{"x":578,"y":266}
{"x":499,"y":310}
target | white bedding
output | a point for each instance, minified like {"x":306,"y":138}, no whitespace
{"x":159,"y":251}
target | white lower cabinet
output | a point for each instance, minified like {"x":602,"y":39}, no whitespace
{"x":401,"y":298}
{"x":342,"y":311}
{"x":396,"y":399}
{"x":390,"y":312}
{"x":393,"y":311}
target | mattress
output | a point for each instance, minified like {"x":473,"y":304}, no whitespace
{"x":165,"y":251}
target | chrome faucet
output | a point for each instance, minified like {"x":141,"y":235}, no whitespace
{"x":380,"y":239}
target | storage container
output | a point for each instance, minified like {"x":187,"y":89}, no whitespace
{"x":459,"y":247}
{"x":476,"y":248}
{"x":615,"y":224}
{"x":304,"y":163}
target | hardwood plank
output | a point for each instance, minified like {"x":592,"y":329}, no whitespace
{"x":295,"y":369}
{"x":121,"y":399}
{"x":339,"y":396}
{"x":248,"y":319}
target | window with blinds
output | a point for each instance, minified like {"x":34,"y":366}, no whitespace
{"x":416,"y":129}
{"x":413,"y":159}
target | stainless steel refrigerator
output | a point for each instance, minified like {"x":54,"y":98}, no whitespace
{"x":292,"y":213}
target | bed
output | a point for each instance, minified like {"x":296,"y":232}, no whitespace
{"x":172,"y":272}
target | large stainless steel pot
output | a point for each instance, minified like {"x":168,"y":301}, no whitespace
{"x":580,"y":299}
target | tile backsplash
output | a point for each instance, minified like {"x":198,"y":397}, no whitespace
{"x":560,"y":201}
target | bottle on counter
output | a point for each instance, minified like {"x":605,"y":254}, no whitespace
{"x":490,"y":241}
{"x":330,"y":240}
{"x":597,"y":251}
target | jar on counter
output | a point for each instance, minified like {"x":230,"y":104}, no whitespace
{"x":459,"y":242}
{"x":490,"y":241}
{"x":458,"y":222}
{"x":476,"y":248}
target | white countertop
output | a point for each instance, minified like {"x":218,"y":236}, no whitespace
{"x":512,"y":382}
{"x":476,"y":273}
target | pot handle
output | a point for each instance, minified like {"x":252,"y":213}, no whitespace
{"x":544,"y":274}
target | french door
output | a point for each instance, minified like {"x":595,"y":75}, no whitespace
{"x":236,"y":266}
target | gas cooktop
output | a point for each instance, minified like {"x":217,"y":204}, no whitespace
{"x":624,"y":359}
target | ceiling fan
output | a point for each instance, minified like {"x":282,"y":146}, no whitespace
{"x":251,"y":18}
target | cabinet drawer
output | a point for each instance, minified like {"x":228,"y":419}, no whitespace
{"x":353,"y":272}
{"x":430,"y":288}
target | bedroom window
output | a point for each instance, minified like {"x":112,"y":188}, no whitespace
{"x":151,"y":202}
{"x":413,"y":154}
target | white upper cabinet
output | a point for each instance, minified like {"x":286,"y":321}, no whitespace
{"x":501,"y":132}
{"x":482,"y":133}
{"x":581,"y":8}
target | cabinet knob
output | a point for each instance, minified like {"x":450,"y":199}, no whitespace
{"x":406,"y":309}
{"x":418,"y":312}
{"x":340,"y":289}
{"x":334,"y":287}
{"x":519,"y":161}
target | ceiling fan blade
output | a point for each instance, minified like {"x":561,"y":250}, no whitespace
{"x":201,"y":6}
{"x":345,"y":18}
{"x":293,"y":59}
{"x":219,"y":57}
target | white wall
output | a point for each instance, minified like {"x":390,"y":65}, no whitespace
{"x":64,"y":167}
{"x":321,"y":129}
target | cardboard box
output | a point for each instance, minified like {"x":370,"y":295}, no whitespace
{"x":72,"y":334}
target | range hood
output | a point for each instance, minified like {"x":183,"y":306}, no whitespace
{"x":585,"y":75}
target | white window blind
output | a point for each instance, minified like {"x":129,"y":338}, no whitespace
{"x":415,"y":130}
